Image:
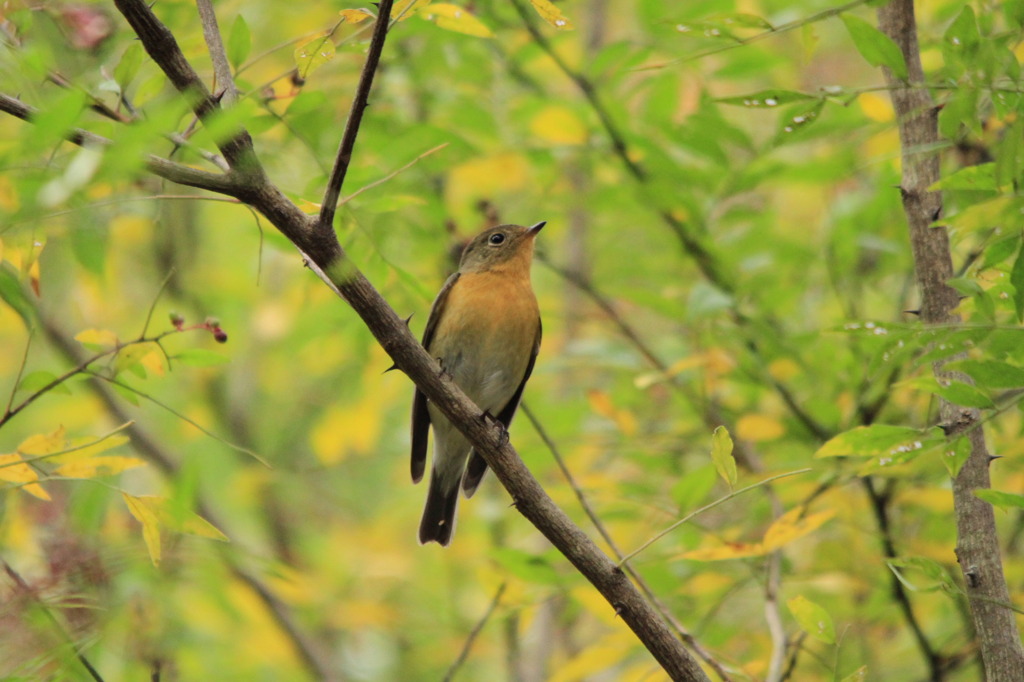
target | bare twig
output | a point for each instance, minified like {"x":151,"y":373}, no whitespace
{"x":162,"y":47}
{"x":474,"y":633}
{"x":977,"y":549}
{"x":169,"y":170}
{"x":26,"y":590}
{"x":310,"y":651}
{"x":652,"y":598}
{"x":223,"y":80}
{"x":880,"y":505}
{"x":355,"y":117}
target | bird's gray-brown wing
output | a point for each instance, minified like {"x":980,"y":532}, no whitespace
{"x":477,"y":466}
{"x":420,"y":415}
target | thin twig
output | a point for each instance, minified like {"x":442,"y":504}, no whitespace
{"x":880,"y":506}
{"x":707,"y":507}
{"x":740,"y":42}
{"x":224,"y":82}
{"x":652,"y":598}
{"x":474,"y":633}
{"x":311,"y":653}
{"x":392,"y":174}
{"x":21,"y":372}
{"x":169,"y":170}
{"x":355,"y":117}
{"x":28,"y":592}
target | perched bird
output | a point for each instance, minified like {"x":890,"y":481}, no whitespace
{"x":484,"y":329}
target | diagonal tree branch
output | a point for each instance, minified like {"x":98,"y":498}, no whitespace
{"x":977,"y":546}
{"x":355,"y":117}
{"x":317,"y":241}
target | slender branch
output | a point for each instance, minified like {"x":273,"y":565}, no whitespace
{"x":311,"y":652}
{"x":665,"y":613}
{"x":474,"y":633}
{"x":977,"y":549}
{"x":777,"y":30}
{"x":162,"y":47}
{"x":169,"y":170}
{"x":316,"y":239}
{"x":355,"y":117}
{"x":880,"y":505}
{"x":223,"y":80}
{"x":29,"y":593}
{"x":711,"y":505}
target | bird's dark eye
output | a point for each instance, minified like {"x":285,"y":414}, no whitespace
{"x":496,"y":238}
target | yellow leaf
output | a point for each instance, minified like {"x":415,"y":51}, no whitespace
{"x":454,"y":18}
{"x":501,"y":175}
{"x":132,"y":355}
{"x":96,"y":339}
{"x":559,"y":125}
{"x":603,"y":655}
{"x":552,"y":14}
{"x":403,"y":9}
{"x":731,"y":550}
{"x":313,"y":53}
{"x":790,"y":526}
{"x":14,"y":470}
{"x":154,"y":363}
{"x":783,"y":369}
{"x":142,"y":508}
{"x":759,"y":427}
{"x":354,"y":16}
{"x":876,"y":107}
{"x":40,"y":444}
{"x":721,"y":455}
{"x":345,"y":430}
{"x":98,"y":466}
{"x":601,"y":403}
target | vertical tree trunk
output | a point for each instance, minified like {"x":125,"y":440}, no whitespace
{"x":977,"y":547}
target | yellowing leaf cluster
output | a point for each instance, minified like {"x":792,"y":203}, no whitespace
{"x":787,"y":528}
{"x":454,"y":18}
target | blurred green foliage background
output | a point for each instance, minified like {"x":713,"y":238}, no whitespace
{"x":741,"y":260}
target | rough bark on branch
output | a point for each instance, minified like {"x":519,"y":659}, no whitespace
{"x":977,"y":547}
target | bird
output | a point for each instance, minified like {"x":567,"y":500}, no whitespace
{"x":484,"y":329}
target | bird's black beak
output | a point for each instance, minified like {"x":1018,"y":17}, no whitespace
{"x":536,"y":228}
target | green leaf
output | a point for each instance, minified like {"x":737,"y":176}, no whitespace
{"x":721,"y":455}
{"x":858,"y":675}
{"x":876,"y":440}
{"x":963,"y":395}
{"x":693,"y":487}
{"x":13,"y":293}
{"x":533,"y":568}
{"x":812,"y":618}
{"x":767,"y":98}
{"x":311,"y":54}
{"x":128,"y":67}
{"x":239,"y":42}
{"x":990,"y":373}
{"x":1017,"y":280}
{"x":876,"y":47}
{"x":1001,"y":499}
{"x":932,"y":570}
{"x":962,"y":36}
{"x":955,"y":455}
{"x":200,"y":357}
{"x":34,"y":381}
{"x":981,"y":177}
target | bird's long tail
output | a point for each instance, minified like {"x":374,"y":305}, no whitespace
{"x":438,"y":521}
